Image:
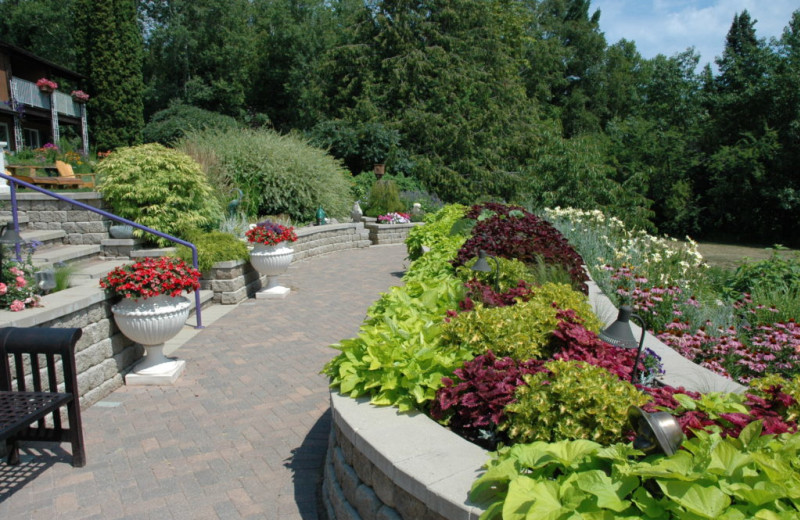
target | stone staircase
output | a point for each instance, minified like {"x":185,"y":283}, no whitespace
{"x":67,"y":235}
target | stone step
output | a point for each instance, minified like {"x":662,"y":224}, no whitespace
{"x":49,"y":257}
{"x":153,"y":253}
{"x":45,"y":238}
{"x":22,"y":220}
{"x":90,"y":271}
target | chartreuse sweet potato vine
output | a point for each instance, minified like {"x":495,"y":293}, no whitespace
{"x":713,"y":477}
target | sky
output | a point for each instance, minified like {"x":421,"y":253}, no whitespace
{"x":671,"y":26}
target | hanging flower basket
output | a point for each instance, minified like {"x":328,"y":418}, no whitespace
{"x":79,"y":96}
{"x":46,"y":86}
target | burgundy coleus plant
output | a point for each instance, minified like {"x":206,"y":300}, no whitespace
{"x":477,"y":291}
{"x":513,"y":233}
{"x":476,"y":398}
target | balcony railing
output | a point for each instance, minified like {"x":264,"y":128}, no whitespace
{"x":28,"y":93}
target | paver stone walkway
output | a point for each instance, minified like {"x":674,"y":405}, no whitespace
{"x":243,"y":432}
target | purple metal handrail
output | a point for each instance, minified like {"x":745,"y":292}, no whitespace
{"x":14,"y":181}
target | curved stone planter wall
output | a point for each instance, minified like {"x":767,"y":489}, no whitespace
{"x":102,"y":353}
{"x":381,"y":234}
{"x":384,"y":465}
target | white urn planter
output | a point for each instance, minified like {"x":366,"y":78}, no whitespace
{"x":152,"y":322}
{"x":272,"y":261}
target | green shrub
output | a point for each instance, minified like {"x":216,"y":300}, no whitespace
{"x":574,"y":400}
{"x":522,"y":331}
{"x":160,"y":188}
{"x":213,"y":247}
{"x":384,"y":198}
{"x":436,"y":230}
{"x":168,"y":125}
{"x":279,"y":174}
{"x":780,"y":271}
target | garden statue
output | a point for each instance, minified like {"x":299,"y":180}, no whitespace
{"x":233,"y":206}
{"x":356,"y":214}
{"x":321,"y":217}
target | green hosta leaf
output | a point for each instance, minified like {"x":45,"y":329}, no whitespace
{"x":609,"y":492}
{"x":750,"y":432}
{"x":534,"y":500}
{"x":649,"y":506}
{"x":705,"y":501}
{"x":570,"y":453}
{"x":759,"y":494}
{"x":494,"y":482}
{"x":678,"y":466}
{"x":726,"y":459}
{"x":619,"y":452}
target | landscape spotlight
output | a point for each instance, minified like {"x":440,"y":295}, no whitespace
{"x":482,"y":265}
{"x":620,"y":334}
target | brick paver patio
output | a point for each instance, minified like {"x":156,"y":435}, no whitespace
{"x":243,"y":432}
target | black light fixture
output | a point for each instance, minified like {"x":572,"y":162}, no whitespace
{"x":658,"y":430}
{"x":482,"y":265}
{"x":620,"y":334}
{"x":11,"y":237}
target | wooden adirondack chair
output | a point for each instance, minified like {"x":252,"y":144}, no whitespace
{"x":66,"y":176}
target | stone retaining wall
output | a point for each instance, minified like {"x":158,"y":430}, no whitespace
{"x":232,"y":281}
{"x":235,"y":281}
{"x":102,"y":353}
{"x":320,"y":240}
{"x":380,"y":234}
{"x":42,"y":212}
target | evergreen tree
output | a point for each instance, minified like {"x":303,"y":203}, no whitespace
{"x":109,"y":51}
{"x":199,"y":53}
{"x":42,"y":27}
{"x":741,"y":195}
{"x":444,"y":73}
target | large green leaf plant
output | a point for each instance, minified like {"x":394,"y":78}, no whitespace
{"x":713,"y":477}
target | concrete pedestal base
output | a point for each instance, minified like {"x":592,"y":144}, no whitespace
{"x":273,"y":293}
{"x":165,"y":373}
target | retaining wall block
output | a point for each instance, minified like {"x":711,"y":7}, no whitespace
{"x":387,"y":513}
{"x":367,"y":503}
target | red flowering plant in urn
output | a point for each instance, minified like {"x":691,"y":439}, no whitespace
{"x":270,"y":233}
{"x":152,"y":277}
{"x":46,"y":85}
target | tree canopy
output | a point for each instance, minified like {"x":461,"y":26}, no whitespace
{"x":523,"y":101}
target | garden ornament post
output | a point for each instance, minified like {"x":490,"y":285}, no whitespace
{"x":482,"y":265}
{"x":620,"y":334}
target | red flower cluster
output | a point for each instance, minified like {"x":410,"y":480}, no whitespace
{"x":152,"y":277}
{"x":44,"y":83}
{"x":270,"y":233}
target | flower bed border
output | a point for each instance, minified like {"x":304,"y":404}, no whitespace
{"x":383,"y":464}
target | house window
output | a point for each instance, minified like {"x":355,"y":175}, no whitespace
{"x":31,"y":138}
{"x":5,"y":136}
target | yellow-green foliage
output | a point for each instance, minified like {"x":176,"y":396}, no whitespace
{"x":522,"y":331}
{"x":213,"y":247}
{"x":278,"y":174}
{"x":788,"y":386}
{"x":511,"y":272}
{"x":159,"y":188}
{"x":436,"y":231}
{"x":574,"y":400}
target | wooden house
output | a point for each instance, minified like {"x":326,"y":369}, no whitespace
{"x":30,"y":115}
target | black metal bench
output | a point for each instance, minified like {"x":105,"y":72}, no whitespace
{"x":30,"y":402}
